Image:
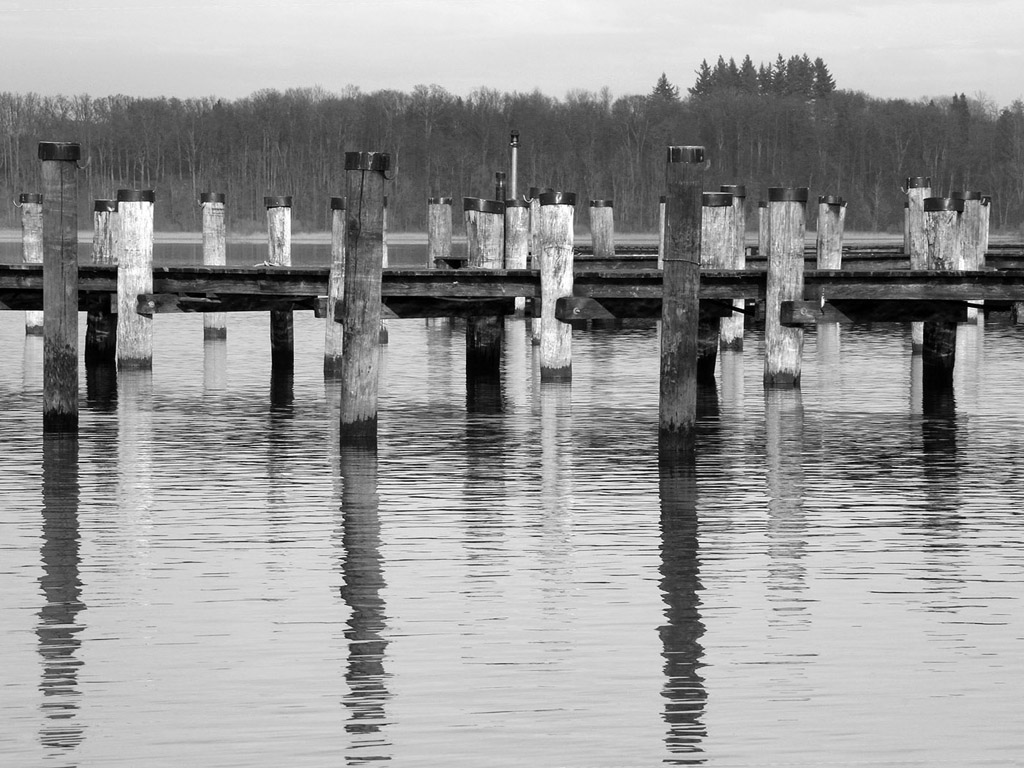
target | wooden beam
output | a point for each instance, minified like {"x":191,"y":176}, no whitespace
{"x":800,"y":313}
{"x":572,"y":308}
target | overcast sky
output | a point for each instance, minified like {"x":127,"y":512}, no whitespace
{"x":230,"y":48}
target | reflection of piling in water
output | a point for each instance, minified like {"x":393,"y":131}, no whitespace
{"x":683,"y":690}
{"x":31,"y":205}
{"x":61,"y":587}
{"x":215,"y":365}
{"x":362,"y":587}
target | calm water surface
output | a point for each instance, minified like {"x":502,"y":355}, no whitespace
{"x":204,"y":578}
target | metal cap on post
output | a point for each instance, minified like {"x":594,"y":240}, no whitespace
{"x":212,"y":197}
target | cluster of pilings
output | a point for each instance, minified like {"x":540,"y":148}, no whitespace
{"x":700,"y":231}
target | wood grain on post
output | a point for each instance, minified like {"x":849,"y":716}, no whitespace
{"x":787,"y":223}
{"x":717,"y":251}
{"x":556,"y":238}
{"x":972,"y":226}
{"x":101,"y":323}
{"x":31,"y":205}
{"x":439,"y":231}
{"x":279,"y":254}
{"x":60,"y":285}
{"x":602,"y":228}
{"x":917,"y":188}
{"x":485,"y":243}
{"x":680,"y":308}
{"x":134,"y":277}
{"x":364,"y":262}
{"x":334,"y":338}
{"x":215,"y":253}
{"x":517,"y":240}
{"x":829,"y":238}
{"x":763,"y":241}
{"x":730,"y":329}
{"x":942,"y":227}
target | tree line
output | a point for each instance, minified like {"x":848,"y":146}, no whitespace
{"x":293,"y":143}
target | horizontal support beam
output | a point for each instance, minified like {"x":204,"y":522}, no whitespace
{"x":572,"y":308}
{"x":799,"y":313}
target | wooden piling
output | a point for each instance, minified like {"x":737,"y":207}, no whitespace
{"x":134,"y":277}
{"x":364,"y":261}
{"x":517,"y":240}
{"x":556,"y":237}
{"x":661,"y":231}
{"x":602,"y":228}
{"x":730,"y":329}
{"x":31,"y":204}
{"x":763,"y":241}
{"x":829,"y":236}
{"x":533,"y":197}
{"x":101,"y":322}
{"x":972,"y":226}
{"x":677,"y":403}
{"x":917,"y":189}
{"x":279,"y":254}
{"x":439,"y":231}
{"x":787,"y":222}
{"x":215,"y":253}
{"x":60,"y":285}
{"x":334,"y":334}
{"x":485,"y":241}
{"x":942,"y":227}
{"x":717,"y":246}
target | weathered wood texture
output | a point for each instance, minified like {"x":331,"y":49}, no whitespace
{"x":730,"y":329}
{"x":517,"y":240}
{"x":485,"y":245}
{"x":677,"y":400}
{"x":787,"y":219}
{"x":718,"y":232}
{"x":215,"y":253}
{"x":829,"y":236}
{"x":661,"y":231}
{"x":32,"y":248}
{"x":944,"y":234}
{"x":439,"y":230}
{"x":334,"y":334}
{"x":60,"y":286}
{"x":918,"y":188}
{"x":364,"y":261}
{"x":101,"y":322}
{"x":602,"y":228}
{"x":972,"y":226}
{"x":556,"y":280}
{"x":279,"y":254}
{"x":134,"y":277}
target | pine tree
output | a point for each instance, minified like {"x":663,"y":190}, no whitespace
{"x":664,"y":90}
{"x":704,"y":82}
{"x":824,"y":84}
{"x":748,"y":79}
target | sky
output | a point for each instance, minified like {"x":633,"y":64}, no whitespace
{"x":232,"y":48}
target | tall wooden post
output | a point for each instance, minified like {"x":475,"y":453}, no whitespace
{"x":972,"y":225}
{"x":101,"y":323}
{"x":730,"y":329}
{"x":917,"y":188}
{"x":829,"y":239}
{"x":279,"y":254}
{"x":717,"y":251}
{"x":334,"y":338}
{"x":942,"y":227}
{"x":534,"y":199}
{"x":662,"y":201}
{"x":763,"y":241}
{"x":677,"y":404}
{"x":439,"y":231}
{"x":787,"y":223}
{"x":906,"y":228}
{"x":517,"y":240}
{"x":215,"y":253}
{"x":485,"y":242}
{"x":556,"y":238}
{"x":134,"y":277}
{"x":364,"y":261}
{"x":31,"y":204}
{"x":60,"y":285}
{"x":602,"y":228}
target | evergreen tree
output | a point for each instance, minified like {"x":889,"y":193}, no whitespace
{"x":748,"y":79}
{"x":705,"y":81}
{"x":664,"y":90}
{"x":823,"y":82}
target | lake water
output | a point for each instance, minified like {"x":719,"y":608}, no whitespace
{"x":204,"y":578}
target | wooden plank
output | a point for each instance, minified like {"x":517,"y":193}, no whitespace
{"x":572,"y":308}
{"x":799,"y":313}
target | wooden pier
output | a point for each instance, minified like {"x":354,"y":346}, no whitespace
{"x":785,"y":289}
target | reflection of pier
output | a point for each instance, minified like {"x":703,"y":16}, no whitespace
{"x":685,"y":697}
{"x":363,"y":582}
{"x":62,"y":588}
